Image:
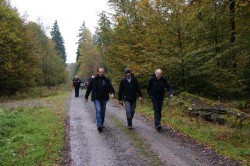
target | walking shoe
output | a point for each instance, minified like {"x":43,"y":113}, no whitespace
{"x":130,"y":127}
{"x":158,"y":127}
{"x":99,"y":129}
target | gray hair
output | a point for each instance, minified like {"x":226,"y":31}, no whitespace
{"x":100,"y":68}
{"x":158,"y":70}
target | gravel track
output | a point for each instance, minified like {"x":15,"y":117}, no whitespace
{"x":116,"y":145}
{"x":110,"y":147}
{"x":119,"y":146}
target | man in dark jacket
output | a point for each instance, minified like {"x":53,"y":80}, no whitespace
{"x":101,"y":87}
{"x":156,"y":91}
{"x":129,"y":89}
{"x":76,"y":85}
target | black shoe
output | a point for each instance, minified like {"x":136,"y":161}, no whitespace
{"x":130,"y":127}
{"x":129,"y":122}
{"x":158,"y":127}
{"x":99,"y":129}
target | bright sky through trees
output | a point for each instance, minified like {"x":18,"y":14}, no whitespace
{"x":69,"y":15}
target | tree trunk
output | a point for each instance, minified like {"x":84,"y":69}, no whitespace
{"x":232,"y":24}
{"x":182,"y":59}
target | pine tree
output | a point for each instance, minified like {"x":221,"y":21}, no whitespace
{"x":51,"y":65}
{"x":88,"y":55}
{"x":58,"y":40}
{"x":27,"y":56}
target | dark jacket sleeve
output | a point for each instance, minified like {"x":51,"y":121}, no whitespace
{"x":121,"y":90}
{"x":89,"y":89}
{"x":149,"y":88}
{"x":110,"y":87}
{"x":138,"y":88}
{"x":168,"y":87}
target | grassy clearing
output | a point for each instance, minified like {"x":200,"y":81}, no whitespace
{"x":33,"y":136}
{"x":37,"y":92}
{"x":231,"y":142}
{"x":137,"y":142}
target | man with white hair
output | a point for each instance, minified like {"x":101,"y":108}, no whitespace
{"x":156,"y":91}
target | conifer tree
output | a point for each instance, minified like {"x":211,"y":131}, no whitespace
{"x":88,"y":57}
{"x":27,"y":56}
{"x":51,"y":66}
{"x":58,"y":40}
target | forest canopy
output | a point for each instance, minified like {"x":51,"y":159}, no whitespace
{"x":202,"y":46}
{"x":28,"y":58}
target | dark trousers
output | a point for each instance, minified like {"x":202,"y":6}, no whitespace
{"x":76,"y":91}
{"x":130,"y":111}
{"x":157,"y":105}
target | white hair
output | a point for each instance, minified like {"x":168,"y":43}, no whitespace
{"x":158,"y":70}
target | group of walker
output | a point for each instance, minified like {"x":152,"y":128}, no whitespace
{"x":129,"y":92}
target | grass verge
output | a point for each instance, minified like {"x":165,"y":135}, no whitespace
{"x":35,"y":135}
{"x":231,"y":142}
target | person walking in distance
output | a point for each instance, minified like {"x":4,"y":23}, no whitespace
{"x":129,"y":90}
{"x":156,"y":91}
{"x":82,"y":82}
{"x":76,"y":84}
{"x":101,"y":87}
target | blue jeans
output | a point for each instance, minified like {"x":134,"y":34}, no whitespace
{"x":157,"y":105}
{"x":100,"y":107}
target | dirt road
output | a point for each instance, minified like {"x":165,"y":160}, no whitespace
{"x":117,"y":145}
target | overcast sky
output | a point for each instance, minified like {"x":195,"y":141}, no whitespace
{"x":69,"y":14}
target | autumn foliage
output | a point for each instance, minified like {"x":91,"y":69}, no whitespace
{"x":202,"y":46}
{"x":28,"y":58}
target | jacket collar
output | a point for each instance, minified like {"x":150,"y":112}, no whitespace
{"x":154,"y":77}
{"x":97,"y":77}
{"x":132,"y":77}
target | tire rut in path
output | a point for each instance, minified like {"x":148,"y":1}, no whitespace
{"x":115,"y":147}
{"x":172,"y":148}
{"x":86,"y":144}
{"x":111,"y":147}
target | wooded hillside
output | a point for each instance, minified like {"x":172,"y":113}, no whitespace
{"x":28,"y":57}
